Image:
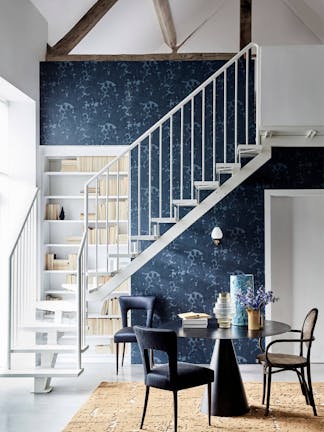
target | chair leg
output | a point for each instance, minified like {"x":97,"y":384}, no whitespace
{"x":145,"y":405}
{"x":209,"y":401}
{"x":268,"y":391}
{"x":117,"y":357}
{"x":303,"y":385}
{"x":310,"y":390}
{"x":152,"y":357}
{"x":264,"y":383}
{"x":123,"y":356}
{"x":175,"y":406}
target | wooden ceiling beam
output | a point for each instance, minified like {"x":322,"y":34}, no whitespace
{"x":163,"y":12}
{"x":245,"y":23}
{"x":81,"y":28}
{"x":143,"y":57}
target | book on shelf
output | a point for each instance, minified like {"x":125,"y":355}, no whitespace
{"x":74,"y":239}
{"x":69,"y":165}
{"x":110,"y":306}
{"x":103,"y":326}
{"x":53,"y":263}
{"x":52,"y":211}
{"x":102,"y":235}
{"x":112,"y":187}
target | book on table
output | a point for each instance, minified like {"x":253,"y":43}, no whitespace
{"x":194,"y":319}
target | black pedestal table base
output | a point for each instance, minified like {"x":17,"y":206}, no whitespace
{"x":227,"y":394}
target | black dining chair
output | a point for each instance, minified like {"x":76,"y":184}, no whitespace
{"x":174,"y":375}
{"x":126,"y":333}
{"x":296,"y":363}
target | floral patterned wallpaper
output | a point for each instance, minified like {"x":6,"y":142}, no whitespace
{"x":93,"y":103}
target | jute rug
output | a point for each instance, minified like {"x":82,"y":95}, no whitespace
{"x":117,"y":407}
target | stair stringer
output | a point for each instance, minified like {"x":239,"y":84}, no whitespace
{"x":182,"y":225}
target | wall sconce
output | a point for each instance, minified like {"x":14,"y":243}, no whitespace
{"x":217,"y":236}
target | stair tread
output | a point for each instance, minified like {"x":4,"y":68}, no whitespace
{"x":249,"y":150}
{"x":145,"y":237}
{"x":206,"y":185}
{"x":45,"y":348}
{"x":56,"y":305}
{"x":227,"y":168}
{"x":164,"y":220}
{"x":38,"y":372}
{"x":43,"y":325}
{"x":185,"y":202}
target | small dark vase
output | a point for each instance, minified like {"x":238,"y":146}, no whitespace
{"x":62,"y":215}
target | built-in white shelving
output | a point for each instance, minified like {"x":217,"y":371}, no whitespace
{"x":66,"y":188}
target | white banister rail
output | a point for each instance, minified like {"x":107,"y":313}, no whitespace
{"x":81,"y":317}
{"x":169,"y":158}
{"x":23,"y":276}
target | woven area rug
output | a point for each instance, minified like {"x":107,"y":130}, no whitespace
{"x":117,"y":407}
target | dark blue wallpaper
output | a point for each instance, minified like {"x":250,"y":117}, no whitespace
{"x":191,"y":271}
{"x":93,"y":103}
{"x":96,"y":103}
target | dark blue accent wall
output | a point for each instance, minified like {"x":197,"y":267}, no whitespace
{"x":93,"y":103}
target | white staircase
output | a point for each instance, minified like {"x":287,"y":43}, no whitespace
{"x":182,"y":166}
{"x":179,"y":169}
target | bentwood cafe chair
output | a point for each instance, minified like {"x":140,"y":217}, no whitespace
{"x":174,"y":375}
{"x":275,"y":362}
{"x":126,"y":333}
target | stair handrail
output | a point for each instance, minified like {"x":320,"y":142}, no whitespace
{"x":175,"y":109}
{"x":81,"y":298}
{"x":33,"y":207}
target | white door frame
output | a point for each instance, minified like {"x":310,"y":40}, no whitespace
{"x":268,"y":194}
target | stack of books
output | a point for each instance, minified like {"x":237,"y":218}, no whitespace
{"x":194,"y":320}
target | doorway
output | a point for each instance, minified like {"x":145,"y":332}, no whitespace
{"x":294,"y":258}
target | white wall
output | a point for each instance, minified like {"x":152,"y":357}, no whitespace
{"x":308,"y":268}
{"x":292,"y":91}
{"x":23,"y":35}
{"x":297,"y":271}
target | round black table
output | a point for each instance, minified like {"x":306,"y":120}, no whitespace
{"x":228,"y":394}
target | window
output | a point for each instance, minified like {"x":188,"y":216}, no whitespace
{"x":3,"y":137}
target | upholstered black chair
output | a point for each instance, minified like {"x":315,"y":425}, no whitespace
{"x":126,"y":334}
{"x":174,"y":375}
{"x":296,"y":363}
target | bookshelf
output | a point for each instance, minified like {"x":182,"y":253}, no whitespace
{"x":65,"y":170}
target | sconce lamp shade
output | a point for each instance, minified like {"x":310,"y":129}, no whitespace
{"x":217,"y":235}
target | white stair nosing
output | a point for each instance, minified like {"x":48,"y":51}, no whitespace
{"x":38,"y":372}
{"x":185,"y":203}
{"x":56,"y":305}
{"x":227,"y":168}
{"x":164,"y":220}
{"x":206,"y":185}
{"x":249,"y":150}
{"x":47,"y":348}
{"x":144,"y":237}
{"x":43,"y":327}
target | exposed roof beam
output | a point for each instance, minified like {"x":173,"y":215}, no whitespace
{"x":81,"y":28}
{"x":163,"y":12}
{"x":245,"y":22}
{"x":308,"y":17}
{"x":143,"y":57}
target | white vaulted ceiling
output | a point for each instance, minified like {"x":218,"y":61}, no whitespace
{"x":132,"y":27}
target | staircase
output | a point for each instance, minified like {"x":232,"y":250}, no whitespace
{"x":180,"y":168}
